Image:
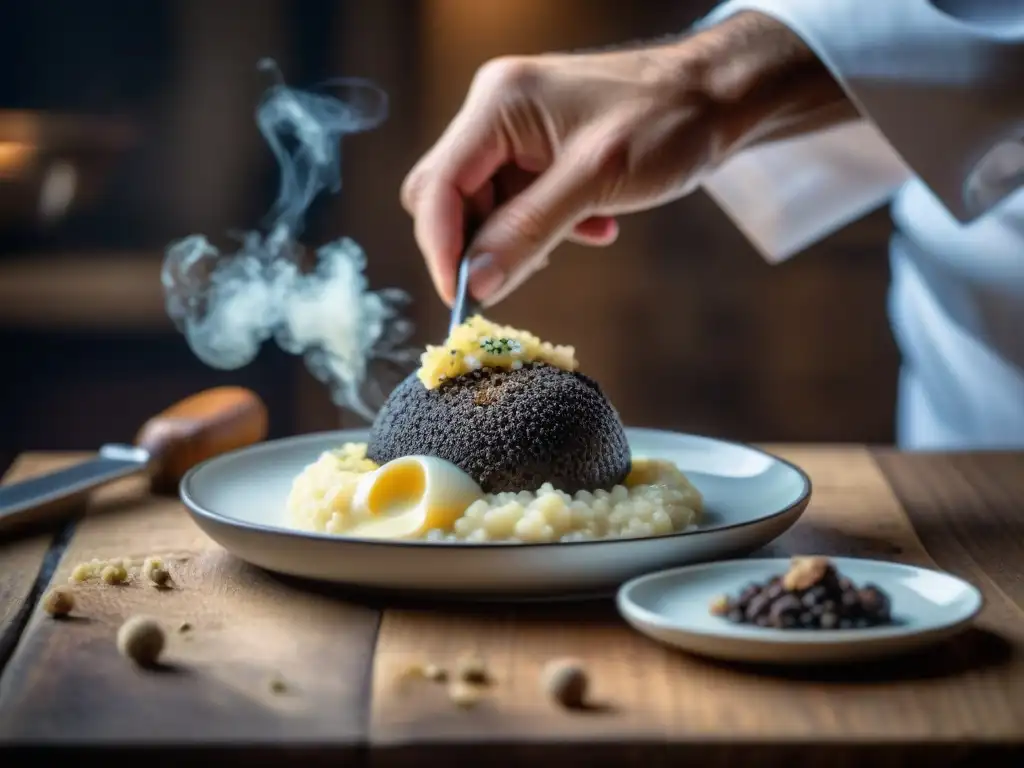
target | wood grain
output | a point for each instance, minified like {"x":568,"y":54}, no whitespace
{"x":964,"y":701}
{"x":22,"y":556}
{"x":964,"y":692}
{"x":969,"y":511}
{"x":66,"y":683}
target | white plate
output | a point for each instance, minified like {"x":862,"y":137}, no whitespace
{"x":673,"y":607}
{"x":238,"y":499}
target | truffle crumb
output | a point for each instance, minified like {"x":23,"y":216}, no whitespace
{"x":806,"y":572}
{"x":566,"y":681}
{"x":184,"y":627}
{"x":426,"y":671}
{"x":435,"y":673}
{"x":114,"y":574}
{"x":58,"y":602}
{"x":94,"y":568}
{"x":471,"y":669}
{"x":82,"y":572}
{"x":154,"y":570}
{"x":463,"y":694}
{"x":277,"y":684}
{"x":141,"y":639}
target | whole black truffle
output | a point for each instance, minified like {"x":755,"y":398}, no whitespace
{"x":510,"y":430}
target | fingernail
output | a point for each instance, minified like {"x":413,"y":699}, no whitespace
{"x":485,"y":276}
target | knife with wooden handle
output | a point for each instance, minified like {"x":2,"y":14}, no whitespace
{"x":168,"y":445}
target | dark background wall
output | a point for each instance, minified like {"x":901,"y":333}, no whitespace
{"x":149,"y":108}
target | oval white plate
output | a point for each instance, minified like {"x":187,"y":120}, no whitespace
{"x":673,"y":607}
{"x":238,"y":499}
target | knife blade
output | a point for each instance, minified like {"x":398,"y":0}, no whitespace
{"x":29,"y":497}
{"x":168,"y":445}
{"x":464,"y":306}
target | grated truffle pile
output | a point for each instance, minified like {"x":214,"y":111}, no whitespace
{"x":510,"y":430}
{"x":811,"y":595}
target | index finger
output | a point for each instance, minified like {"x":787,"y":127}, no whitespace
{"x":457,"y":169}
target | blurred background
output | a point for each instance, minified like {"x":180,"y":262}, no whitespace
{"x":124,"y":126}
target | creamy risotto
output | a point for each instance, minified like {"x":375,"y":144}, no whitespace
{"x":655,"y":499}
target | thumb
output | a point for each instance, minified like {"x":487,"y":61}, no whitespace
{"x":517,"y":237}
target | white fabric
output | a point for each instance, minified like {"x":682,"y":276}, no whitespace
{"x":940,"y":87}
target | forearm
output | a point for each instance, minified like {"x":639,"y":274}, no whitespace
{"x":943,"y":91}
{"x":764,"y":83}
{"x":771,"y":87}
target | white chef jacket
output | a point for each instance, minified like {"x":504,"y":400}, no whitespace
{"x":939,"y":85}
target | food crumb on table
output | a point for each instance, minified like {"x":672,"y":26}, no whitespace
{"x":58,"y":602}
{"x":141,"y":639}
{"x":565,"y":680}
{"x":81,"y":572}
{"x":185,"y":627}
{"x":277,"y":684}
{"x":463,"y":694}
{"x":153,"y":569}
{"x":466,"y":684}
{"x":93,"y":569}
{"x":426,"y":671}
{"x":114,"y":574}
{"x":435,"y":673}
{"x":471,"y":669}
{"x":810,"y":595}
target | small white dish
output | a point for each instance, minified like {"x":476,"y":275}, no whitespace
{"x":674,"y":607}
{"x":238,"y":499}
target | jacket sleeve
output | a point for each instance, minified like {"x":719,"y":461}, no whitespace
{"x":941,"y":97}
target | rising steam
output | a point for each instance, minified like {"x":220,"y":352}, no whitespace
{"x":227,"y":305}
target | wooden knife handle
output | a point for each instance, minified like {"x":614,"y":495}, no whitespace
{"x":198,"y":428}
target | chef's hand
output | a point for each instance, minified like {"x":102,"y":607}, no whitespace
{"x":554,"y":147}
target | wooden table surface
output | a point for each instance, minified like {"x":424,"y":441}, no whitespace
{"x":341,"y":656}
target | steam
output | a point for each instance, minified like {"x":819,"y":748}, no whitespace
{"x":228,"y":304}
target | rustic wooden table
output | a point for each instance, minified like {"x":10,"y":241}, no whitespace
{"x":341,"y":657}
